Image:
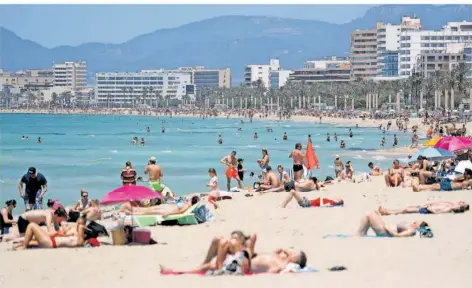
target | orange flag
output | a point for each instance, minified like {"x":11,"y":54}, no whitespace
{"x":312,"y":161}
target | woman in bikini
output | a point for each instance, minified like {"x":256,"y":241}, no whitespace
{"x":395,"y":175}
{"x":374,"y":221}
{"x":164,"y":209}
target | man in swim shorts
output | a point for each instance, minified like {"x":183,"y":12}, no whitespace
{"x":428,"y":208}
{"x":270,"y":181}
{"x":155,"y":175}
{"x":231,"y":163}
{"x":51,"y":217}
{"x":305,"y":203}
{"x":298,"y":159}
{"x":395,"y":175}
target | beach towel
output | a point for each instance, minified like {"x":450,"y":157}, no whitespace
{"x":348,"y":236}
{"x":291,"y":268}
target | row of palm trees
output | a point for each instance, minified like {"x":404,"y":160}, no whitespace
{"x":440,"y":90}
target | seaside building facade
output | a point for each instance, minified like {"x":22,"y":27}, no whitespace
{"x":147,"y":86}
{"x":431,"y":61}
{"x":279,"y":78}
{"x":203,"y":77}
{"x":414,"y":43}
{"x":324,"y":70}
{"x":255,"y":72}
{"x":28,"y":79}
{"x":468,"y":59}
{"x":388,"y":45}
{"x":70,"y":74}
{"x":363,"y":53}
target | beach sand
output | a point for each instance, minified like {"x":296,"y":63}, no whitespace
{"x":443,"y":261}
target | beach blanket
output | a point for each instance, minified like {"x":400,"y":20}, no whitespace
{"x":295,"y":268}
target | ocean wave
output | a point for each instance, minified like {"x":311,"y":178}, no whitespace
{"x":166,"y":151}
{"x":287,"y":126}
{"x":379,"y":158}
{"x":317,"y":146}
{"x":113,"y":151}
{"x":56,"y":134}
{"x":358,"y":157}
{"x":251,"y":146}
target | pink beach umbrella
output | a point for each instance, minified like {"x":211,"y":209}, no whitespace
{"x":129,"y":193}
{"x":454,"y":144}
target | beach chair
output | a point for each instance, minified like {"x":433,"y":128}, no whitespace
{"x":186,"y":218}
{"x":141,"y":220}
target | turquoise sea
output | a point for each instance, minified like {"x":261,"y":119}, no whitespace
{"x":89,"y":151}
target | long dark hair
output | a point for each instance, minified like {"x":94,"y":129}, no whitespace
{"x":10,"y":202}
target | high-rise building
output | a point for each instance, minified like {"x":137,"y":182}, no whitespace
{"x":145,"y":86}
{"x":388,"y":37}
{"x":364,"y":53}
{"x":413,"y":43}
{"x":430,"y":62}
{"x":254,"y":73}
{"x":70,"y":74}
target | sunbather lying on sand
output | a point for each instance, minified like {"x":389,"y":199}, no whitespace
{"x":444,"y":185}
{"x":222,"y":249}
{"x":304,"y":185}
{"x":305,"y":203}
{"x":164,"y":209}
{"x":374,"y":221}
{"x":35,"y":236}
{"x":428,"y":208}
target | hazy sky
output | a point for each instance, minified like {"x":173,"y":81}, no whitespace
{"x":53,"y":25}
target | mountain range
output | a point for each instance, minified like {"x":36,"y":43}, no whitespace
{"x":226,"y":41}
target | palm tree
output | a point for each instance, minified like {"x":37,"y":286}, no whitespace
{"x":158,"y":97}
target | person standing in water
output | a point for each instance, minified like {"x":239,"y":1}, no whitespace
{"x":35,"y":188}
{"x":155,"y":175}
{"x":220,"y":139}
{"x":285,"y":137}
{"x":350,"y":133}
{"x":328,"y":139}
{"x":395,"y":140}
{"x":338,"y":166}
{"x":298,"y":159}
{"x":335,"y":137}
{"x":255,"y":136}
{"x":231,"y":172}
{"x":39,"y":140}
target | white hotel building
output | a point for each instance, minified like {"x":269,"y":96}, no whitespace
{"x":413,"y":43}
{"x":124,"y":88}
{"x":72,"y":75}
{"x":255,"y":72}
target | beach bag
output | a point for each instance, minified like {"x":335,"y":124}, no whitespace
{"x":202,"y":214}
{"x":95,"y":230}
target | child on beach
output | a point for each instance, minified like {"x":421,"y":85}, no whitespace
{"x":213,"y":187}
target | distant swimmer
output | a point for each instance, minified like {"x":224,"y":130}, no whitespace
{"x":240,"y":129}
{"x":220,"y":139}
{"x":148,"y":129}
{"x":143,"y":141}
{"x":163,"y":130}
{"x":285,"y":137}
{"x":242,"y":122}
{"x":350,"y":133}
{"x":395,"y":140}
{"x":343,"y":144}
{"x":134,"y":141}
{"x":255,"y":136}
{"x":382,"y":143}
{"x":328,"y":139}
{"x":335,"y":137}
{"x":23,"y":138}
{"x":39,"y":140}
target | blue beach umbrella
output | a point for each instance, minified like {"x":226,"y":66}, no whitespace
{"x":435,"y":154}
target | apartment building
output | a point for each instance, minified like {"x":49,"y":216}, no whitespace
{"x":278,"y":79}
{"x":388,"y":37}
{"x":430,"y":62}
{"x":125,"y":88}
{"x":468,"y":59}
{"x":70,"y":74}
{"x":203,"y":77}
{"x":255,"y":72}
{"x":414,"y":43}
{"x":363,"y":53}
{"x":28,"y":79}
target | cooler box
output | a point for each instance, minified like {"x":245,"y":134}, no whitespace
{"x":118,"y":236}
{"x":142,"y":236}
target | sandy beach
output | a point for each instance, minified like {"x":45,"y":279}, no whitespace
{"x":442,"y":261}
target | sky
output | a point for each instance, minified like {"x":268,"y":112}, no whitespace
{"x":54,"y":25}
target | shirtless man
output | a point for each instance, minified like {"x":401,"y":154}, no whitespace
{"x":155,"y":174}
{"x":93,"y":213}
{"x":35,"y":236}
{"x":428,"y":208}
{"x":49,"y":216}
{"x":231,"y":163}
{"x":395,"y":175}
{"x":305,"y":185}
{"x":276,"y":261}
{"x":270,"y":180}
{"x":298,"y":159}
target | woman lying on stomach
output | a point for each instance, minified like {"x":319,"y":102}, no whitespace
{"x":163,"y":209}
